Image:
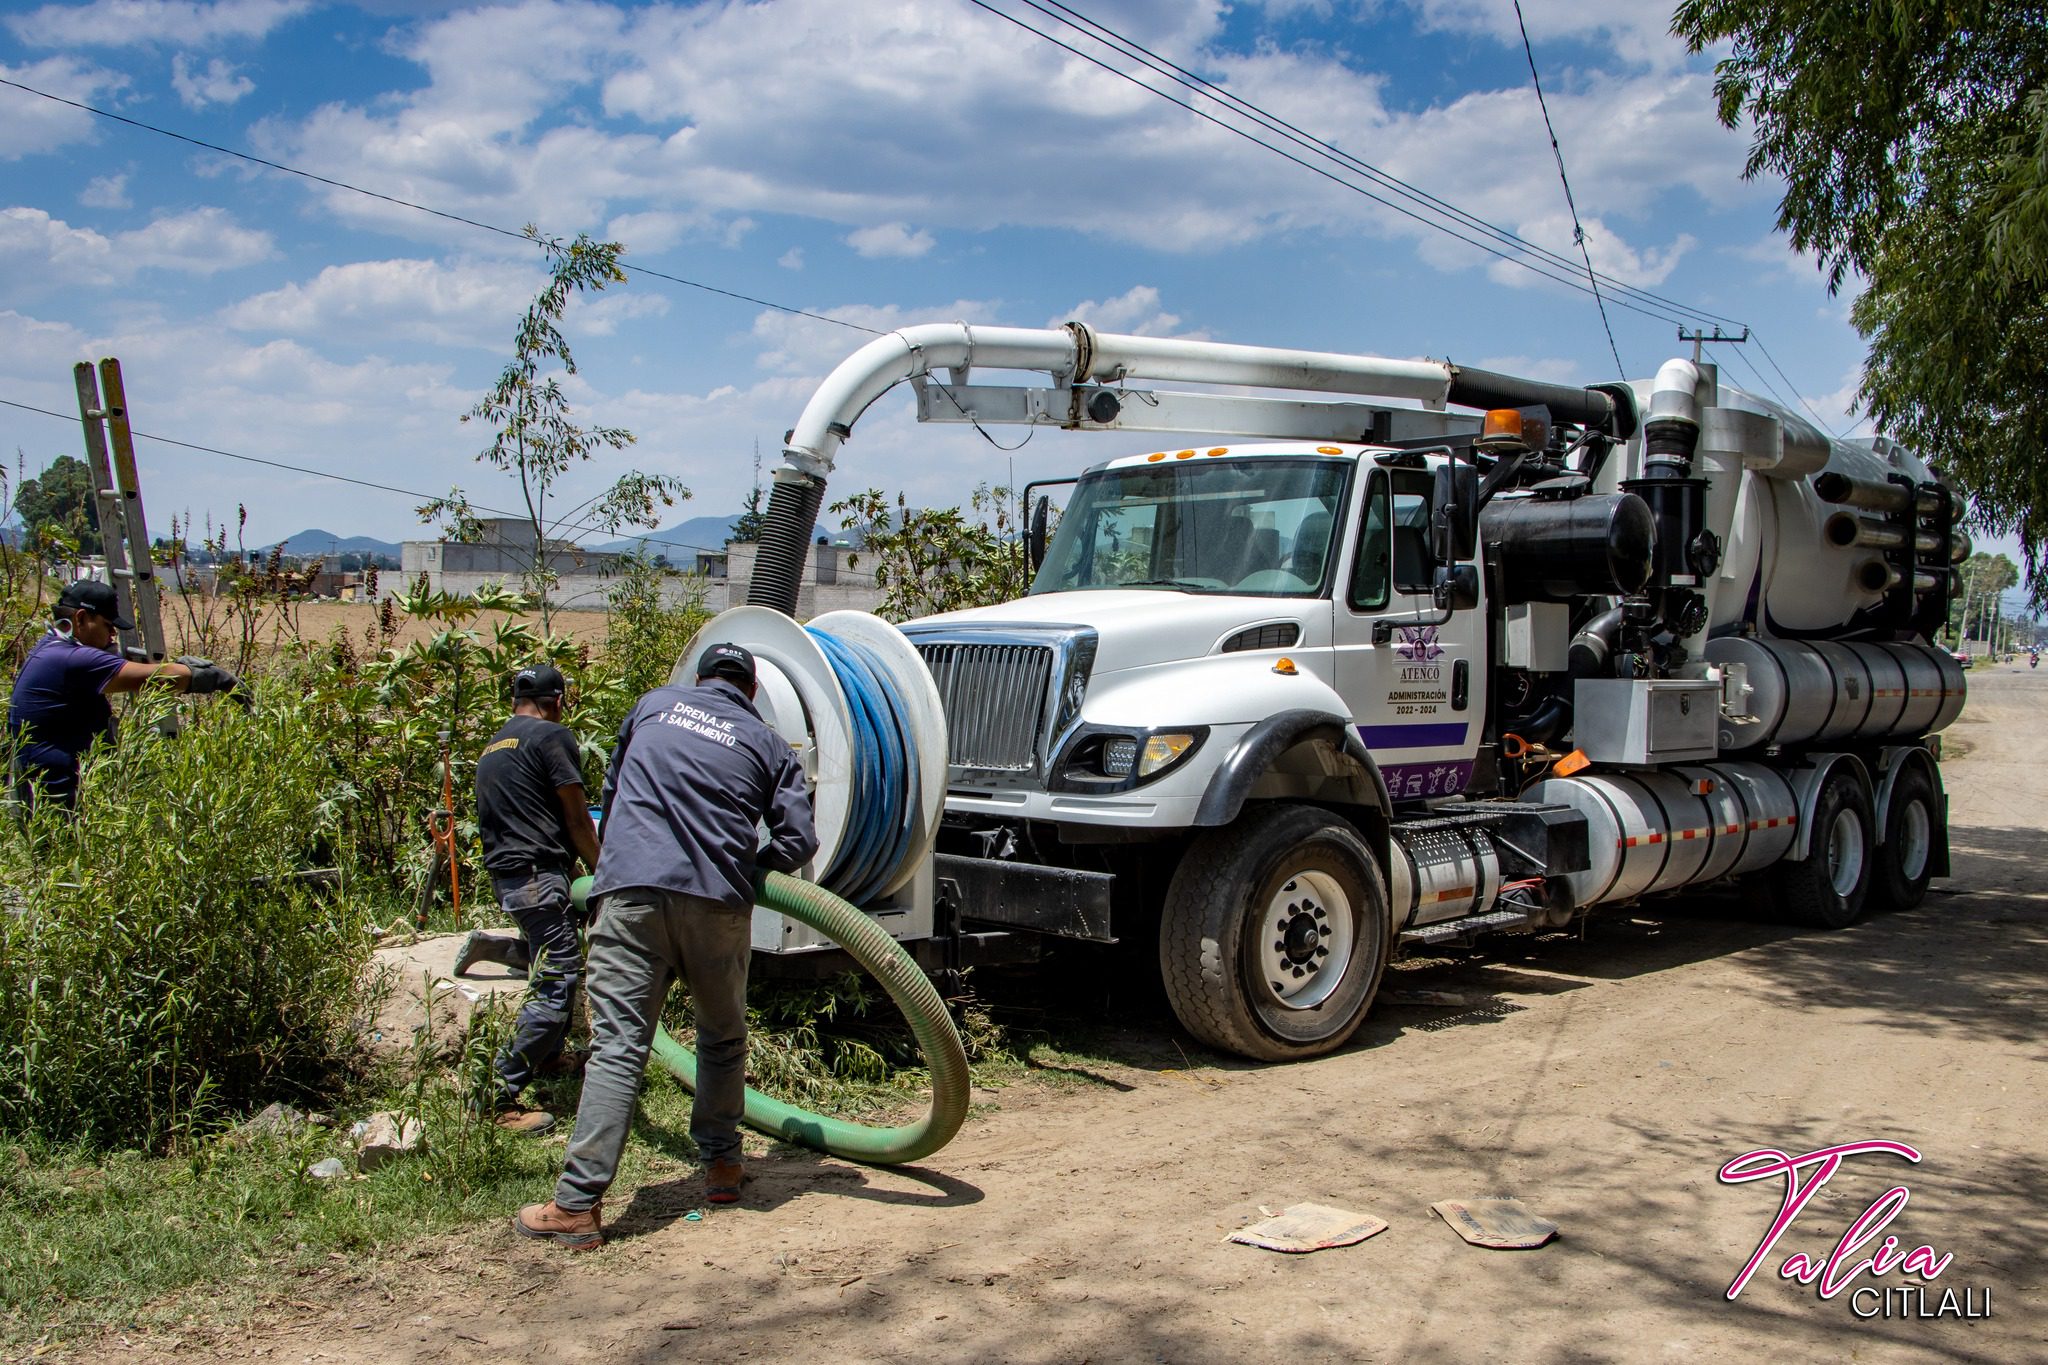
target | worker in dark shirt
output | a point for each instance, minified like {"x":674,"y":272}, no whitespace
{"x":535,"y":823}
{"x":695,"y":772}
{"x":59,"y":703}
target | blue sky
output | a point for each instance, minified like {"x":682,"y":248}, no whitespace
{"x":879,"y":163}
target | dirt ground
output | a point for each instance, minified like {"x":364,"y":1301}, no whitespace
{"x":1605,"y":1085}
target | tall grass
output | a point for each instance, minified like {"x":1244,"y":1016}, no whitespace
{"x":168,"y":964}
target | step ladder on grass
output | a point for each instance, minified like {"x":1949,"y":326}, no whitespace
{"x":117,"y":497}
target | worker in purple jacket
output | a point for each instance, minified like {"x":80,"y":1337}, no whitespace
{"x":696,"y":770}
{"x":59,"y":704}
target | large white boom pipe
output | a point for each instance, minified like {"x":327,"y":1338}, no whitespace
{"x":1076,"y":354}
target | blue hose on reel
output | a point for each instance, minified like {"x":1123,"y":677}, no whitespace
{"x":884,"y":764}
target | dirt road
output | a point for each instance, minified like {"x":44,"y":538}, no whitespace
{"x":1606,"y":1087}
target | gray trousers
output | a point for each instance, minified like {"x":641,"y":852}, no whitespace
{"x":642,"y":940}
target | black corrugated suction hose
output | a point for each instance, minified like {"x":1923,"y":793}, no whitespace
{"x":785,"y":540}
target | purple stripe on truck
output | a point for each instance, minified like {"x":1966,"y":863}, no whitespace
{"x":1435,"y":736}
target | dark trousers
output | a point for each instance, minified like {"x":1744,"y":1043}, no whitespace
{"x":642,"y":940}
{"x":539,"y":904}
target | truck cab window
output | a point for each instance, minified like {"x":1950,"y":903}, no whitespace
{"x":1413,"y":571}
{"x":1254,"y":527}
{"x":1370,"y":566}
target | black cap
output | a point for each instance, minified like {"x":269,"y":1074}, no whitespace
{"x":542,"y":680}
{"x":97,"y":598}
{"x":726,"y":661}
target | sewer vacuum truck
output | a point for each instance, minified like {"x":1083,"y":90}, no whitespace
{"x":1396,"y":653}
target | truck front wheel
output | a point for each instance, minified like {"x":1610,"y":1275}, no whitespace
{"x":1275,"y":934}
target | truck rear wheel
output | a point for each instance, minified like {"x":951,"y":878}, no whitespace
{"x":1905,"y":860}
{"x":1275,"y":934}
{"x":1829,"y":887}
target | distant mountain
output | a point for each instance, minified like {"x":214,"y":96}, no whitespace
{"x":681,"y":540}
{"x":318,"y":542}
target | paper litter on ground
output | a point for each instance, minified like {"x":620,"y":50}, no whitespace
{"x":1309,"y":1227}
{"x":1504,"y":1224}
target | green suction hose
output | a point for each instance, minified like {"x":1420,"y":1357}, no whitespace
{"x":869,"y":945}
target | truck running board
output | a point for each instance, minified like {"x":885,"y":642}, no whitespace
{"x":1493,"y":921}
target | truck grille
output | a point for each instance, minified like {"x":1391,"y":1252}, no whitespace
{"x":995,"y":698}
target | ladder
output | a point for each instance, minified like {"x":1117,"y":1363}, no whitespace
{"x":117,"y":498}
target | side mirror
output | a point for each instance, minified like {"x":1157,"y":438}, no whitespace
{"x":1454,"y":514}
{"x":1034,"y":537}
{"x":1456,"y":587}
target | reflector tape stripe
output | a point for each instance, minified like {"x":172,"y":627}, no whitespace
{"x":1704,"y":832}
{"x":1455,"y":893}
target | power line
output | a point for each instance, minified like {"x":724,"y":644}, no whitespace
{"x":1578,"y":230}
{"x":429,"y":210}
{"x":1402,"y":209}
{"x":1130,"y":48}
{"x":1165,"y":66}
{"x":574,"y":529}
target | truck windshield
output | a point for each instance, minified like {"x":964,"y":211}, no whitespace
{"x":1259,"y":526}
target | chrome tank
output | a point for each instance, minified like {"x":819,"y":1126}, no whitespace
{"x":1829,"y":691}
{"x":1659,"y":831}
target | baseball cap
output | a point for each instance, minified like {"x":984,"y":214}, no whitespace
{"x":97,"y":598}
{"x":726,"y":660}
{"x":542,"y":680}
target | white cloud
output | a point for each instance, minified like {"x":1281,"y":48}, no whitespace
{"x":30,"y":124}
{"x":792,"y":259}
{"x":106,"y":192}
{"x":687,"y":144}
{"x":130,"y":23}
{"x":1135,"y":312}
{"x":467,"y":303}
{"x":1639,"y":32}
{"x":793,"y":345}
{"x":219,"y":83}
{"x":891,"y":241}
{"x":198,"y":242}
{"x":601,"y":317}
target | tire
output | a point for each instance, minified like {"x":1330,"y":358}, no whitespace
{"x":1275,"y":934}
{"x":1905,"y":860}
{"x":1830,"y":886}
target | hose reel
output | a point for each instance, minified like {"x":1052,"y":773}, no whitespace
{"x":855,"y":700}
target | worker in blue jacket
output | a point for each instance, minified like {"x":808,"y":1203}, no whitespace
{"x":695,"y":772}
{"x":59,"y":706}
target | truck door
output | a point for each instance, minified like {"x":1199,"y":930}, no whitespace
{"x":1418,"y":698}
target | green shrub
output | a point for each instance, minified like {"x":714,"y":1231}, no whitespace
{"x":168,"y":963}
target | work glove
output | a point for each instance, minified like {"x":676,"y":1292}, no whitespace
{"x":210,"y":678}
{"x":194,"y":661}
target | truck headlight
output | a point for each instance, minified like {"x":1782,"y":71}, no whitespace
{"x":1102,"y":759}
{"x":1162,"y":751}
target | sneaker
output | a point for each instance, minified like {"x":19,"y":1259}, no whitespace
{"x":525,"y":1122}
{"x":722,"y":1182}
{"x":578,"y":1230}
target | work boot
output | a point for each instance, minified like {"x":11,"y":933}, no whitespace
{"x":507,"y":950}
{"x":577,"y":1230}
{"x":722,"y":1182}
{"x":513,"y":1118}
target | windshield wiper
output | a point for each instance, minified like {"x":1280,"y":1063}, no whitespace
{"x":1186,"y":584}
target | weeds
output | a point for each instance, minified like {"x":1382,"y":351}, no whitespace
{"x":171,"y":964}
